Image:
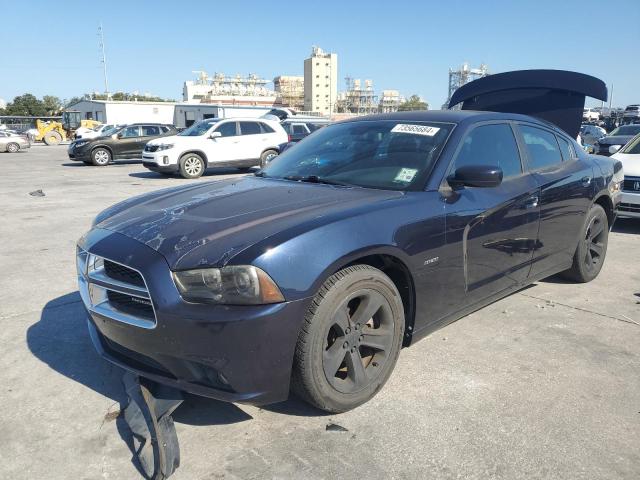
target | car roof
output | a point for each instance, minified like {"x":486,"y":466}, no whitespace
{"x":452,"y":116}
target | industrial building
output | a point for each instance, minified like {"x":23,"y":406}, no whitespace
{"x":289,"y":91}
{"x":250,"y":90}
{"x":463,"y":75}
{"x":359,"y":98}
{"x":390,"y":100}
{"x":320,"y":82}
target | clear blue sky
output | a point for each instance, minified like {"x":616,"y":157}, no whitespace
{"x":405,"y":45}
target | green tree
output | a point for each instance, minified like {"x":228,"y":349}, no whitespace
{"x":414,"y":102}
{"x":72,"y":101}
{"x":52,"y":105}
{"x":26,"y":104}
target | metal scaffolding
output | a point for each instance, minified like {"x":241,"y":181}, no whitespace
{"x":458,"y":78}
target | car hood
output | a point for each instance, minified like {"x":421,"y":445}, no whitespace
{"x":207,"y":224}
{"x":615,"y":139}
{"x":170,"y":139}
{"x":630,"y":163}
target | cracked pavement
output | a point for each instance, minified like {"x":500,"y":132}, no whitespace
{"x":542,"y":384}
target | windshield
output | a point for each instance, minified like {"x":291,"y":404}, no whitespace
{"x":626,"y":130}
{"x":386,"y":154}
{"x":633,"y":147}
{"x":109,"y":131}
{"x":197,"y":129}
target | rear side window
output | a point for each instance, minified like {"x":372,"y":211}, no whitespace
{"x":315,"y":126}
{"x":227,"y":129}
{"x":565,"y":148}
{"x":491,"y":145}
{"x":150,"y":130}
{"x":250,"y":128}
{"x":542,"y":147}
{"x":265,"y":128}
{"x":299,"y":129}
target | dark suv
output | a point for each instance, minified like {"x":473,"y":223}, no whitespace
{"x":297,"y":129}
{"x":123,"y":142}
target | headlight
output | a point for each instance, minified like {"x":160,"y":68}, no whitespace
{"x":234,"y":285}
{"x":164,"y":146}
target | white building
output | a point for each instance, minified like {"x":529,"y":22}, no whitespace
{"x":121,"y":112}
{"x":221,"y":88}
{"x":320,"y":82}
{"x":390,"y":100}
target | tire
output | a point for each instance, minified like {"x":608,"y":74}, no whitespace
{"x":325,"y":370}
{"x":52,"y":138}
{"x":266,"y":157}
{"x":13,"y":147}
{"x":592,"y":248}
{"x":191,"y":165}
{"x":100,"y":157}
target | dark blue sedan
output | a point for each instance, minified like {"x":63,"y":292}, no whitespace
{"x":366,"y":236}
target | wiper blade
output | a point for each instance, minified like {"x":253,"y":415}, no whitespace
{"x":315,"y":179}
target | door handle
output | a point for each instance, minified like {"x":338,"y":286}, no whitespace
{"x":586,"y":181}
{"x":531,"y":202}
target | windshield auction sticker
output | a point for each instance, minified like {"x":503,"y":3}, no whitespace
{"x":415,"y":129}
{"x":406,"y":175}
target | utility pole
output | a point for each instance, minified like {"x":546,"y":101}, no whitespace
{"x":103,"y":60}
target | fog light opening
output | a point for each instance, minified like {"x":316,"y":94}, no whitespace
{"x":165,"y":160}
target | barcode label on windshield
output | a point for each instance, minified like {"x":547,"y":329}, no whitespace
{"x":415,"y":129}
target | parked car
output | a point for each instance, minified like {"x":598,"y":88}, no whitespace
{"x":629,"y":155}
{"x":233,"y":142}
{"x":119,"y":143}
{"x":590,"y":115}
{"x":591,"y":133}
{"x":297,"y":129}
{"x":631,"y":114}
{"x":12,"y":142}
{"x":617,"y":138}
{"x":366,"y":236}
{"x":96,"y":132}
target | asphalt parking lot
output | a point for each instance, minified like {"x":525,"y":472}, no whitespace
{"x":543,"y":384}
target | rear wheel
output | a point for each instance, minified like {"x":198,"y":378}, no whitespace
{"x":52,"y":138}
{"x":350,"y":339}
{"x":266,"y":157}
{"x":592,"y":249}
{"x":13,"y":147}
{"x":100,"y":157}
{"x":191,"y":165}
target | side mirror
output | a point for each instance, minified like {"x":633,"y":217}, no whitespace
{"x":483,"y":176}
{"x":215,"y":135}
{"x":116,"y":136}
{"x":614,"y":148}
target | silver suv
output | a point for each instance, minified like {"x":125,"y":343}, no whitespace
{"x":632,"y":113}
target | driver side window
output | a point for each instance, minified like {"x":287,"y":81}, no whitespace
{"x":492,"y":145}
{"x":227,"y":129}
{"x":130,"y":132}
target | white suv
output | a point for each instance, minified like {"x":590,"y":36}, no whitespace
{"x":233,"y":142}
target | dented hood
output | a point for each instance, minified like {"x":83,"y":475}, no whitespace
{"x":209,"y":223}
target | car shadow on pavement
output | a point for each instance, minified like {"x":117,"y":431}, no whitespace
{"x":209,"y":173}
{"x":61,"y":340}
{"x":626,"y":225}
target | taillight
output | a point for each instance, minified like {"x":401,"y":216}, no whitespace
{"x":288,"y":137}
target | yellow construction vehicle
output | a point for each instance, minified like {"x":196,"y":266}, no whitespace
{"x":53,"y":132}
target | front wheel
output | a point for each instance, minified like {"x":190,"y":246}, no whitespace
{"x":592,"y":248}
{"x":266,"y":157}
{"x":350,"y":339}
{"x":100,"y":157}
{"x":191,"y":165}
{"x":13,"y":148}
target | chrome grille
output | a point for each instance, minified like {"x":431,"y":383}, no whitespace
{"x":114,"y":290}
{"x":631,"y":184}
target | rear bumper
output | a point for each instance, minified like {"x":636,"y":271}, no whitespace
{"x":230,"y":353}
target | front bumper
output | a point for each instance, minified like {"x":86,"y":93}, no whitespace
{"x":161,"y":161}
{"x":230,"y":353}
{"x":629,"y":206}
{"x":78,"y":154}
